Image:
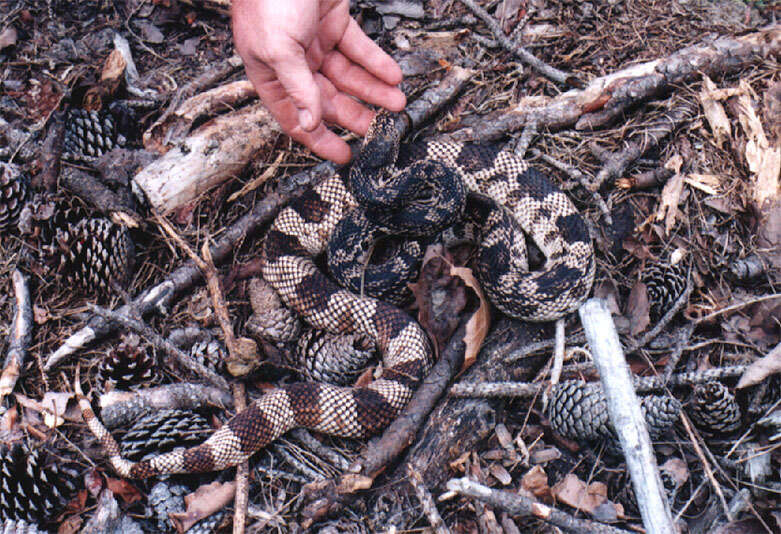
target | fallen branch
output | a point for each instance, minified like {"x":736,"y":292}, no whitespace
{"x":524,"y":55}
{"x":626,"y":416}
{"x":242,"y":470}
{"x":643,"y":384}
{"x":100,"y":197}
{"x":630,"y":85}
{"x":518,"y":504}
{"x":21,"y":335}
{"x":615,"y":164}
{"x":120,"y":408}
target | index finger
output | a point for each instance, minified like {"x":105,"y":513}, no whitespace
{"x":357,"y":46}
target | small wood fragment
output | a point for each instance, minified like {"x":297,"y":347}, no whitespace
{"x":21,"y":335}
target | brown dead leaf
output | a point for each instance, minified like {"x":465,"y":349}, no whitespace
{"x":637,"y":248}
{"x":707,"y":183}
{"x":574,"y":492}
{"x":761,"y":369}
{"x":40,"y":314}
{"x":638,"y":308}
{"x":9,"y":419}
{"x":764,"y":160}
{"x":123,"y":489}
{"x":772,"y":111}
{"x":535,"y":481}
{"x":677,"y":470}
{"x":113,"y":68}
{"x":500,"y":473}
{"x":70,"y":525}
{"x":668,"y":206}
{"x":478,"y":325}
{"x":714,"y":113}
{"x":55,"y":407}
{"x":205,"y":501}
{"x":440,"y":297}
{"x":608,"y":292}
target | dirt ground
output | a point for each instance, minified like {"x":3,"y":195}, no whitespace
{"x":694,"y":200}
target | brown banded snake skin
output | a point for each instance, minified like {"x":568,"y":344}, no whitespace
{"x":502,"y":187}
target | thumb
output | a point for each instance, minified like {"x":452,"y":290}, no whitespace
{"x":296,"y":77}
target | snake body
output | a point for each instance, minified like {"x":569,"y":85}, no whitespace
{"x":495,"y":189}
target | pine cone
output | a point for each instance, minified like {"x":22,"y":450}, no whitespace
{"x":97,"y":253}
{"x":163,"y":431}
{"x":208,"y":525}
{"x":211,"y":354}
{"x":665,"y":284}
{"x":271,"y":319}
{"x":660,"y":412}
{"x":331,"y":358}
{"x":88,"y":133}
{"x":32,"y":488}
{"x":126,"y":365}
{"x":166,"y":498}
{"x":578,"y":410}
{"x":714,"y":409}
{"x":13,"y":193}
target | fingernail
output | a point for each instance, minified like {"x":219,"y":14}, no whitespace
{"x":305,"y":119}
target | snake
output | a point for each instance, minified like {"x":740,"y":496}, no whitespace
{"x":398,"y":188}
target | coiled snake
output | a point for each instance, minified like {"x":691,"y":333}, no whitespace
{"x":490,"y":186}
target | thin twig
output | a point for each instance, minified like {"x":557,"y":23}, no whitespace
{"x":427,"y":502}
{"x":242,"y":470}
{"x":705,"y":464}
{"x":21,"y":335}
{"x":518,"y":504}
{"x":524,"y":55}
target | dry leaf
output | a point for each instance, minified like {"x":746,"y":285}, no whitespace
{"x":763,"y":160}
{"x":677,"y":470}
{"x":638,"y":308}
{"x":668,"y":206}
{"x":574,"y":492}
{"x":55,"y":407}
{"x":714,"y":113}
{"x":70,"y":525}
{"x":205,"y":501}
{"x":123,"y":489}
{"x":479,"y":323}
{"x":113,"y":68}
{"x":707,"y":183}
{"x":535,"y":481}
{"x":761,"y":369}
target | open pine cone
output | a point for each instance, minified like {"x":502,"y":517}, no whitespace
{"x":32,"y":487}
{"x":97,"y":253}
{"x":128,"y":364}
{"x":13,"y":193}
{"x":665,"y":284}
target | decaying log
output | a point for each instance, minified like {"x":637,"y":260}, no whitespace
{"x":626,"y":416}
{"x":120,"y":408}
{"x":174,"y":125}
{"x":628,"y":86}
{"x":21,"y":335}
{"x":214,"y":152}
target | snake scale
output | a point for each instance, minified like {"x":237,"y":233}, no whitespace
{"x":494,"y":188}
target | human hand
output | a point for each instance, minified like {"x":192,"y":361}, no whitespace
{"x":307,"y":60}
